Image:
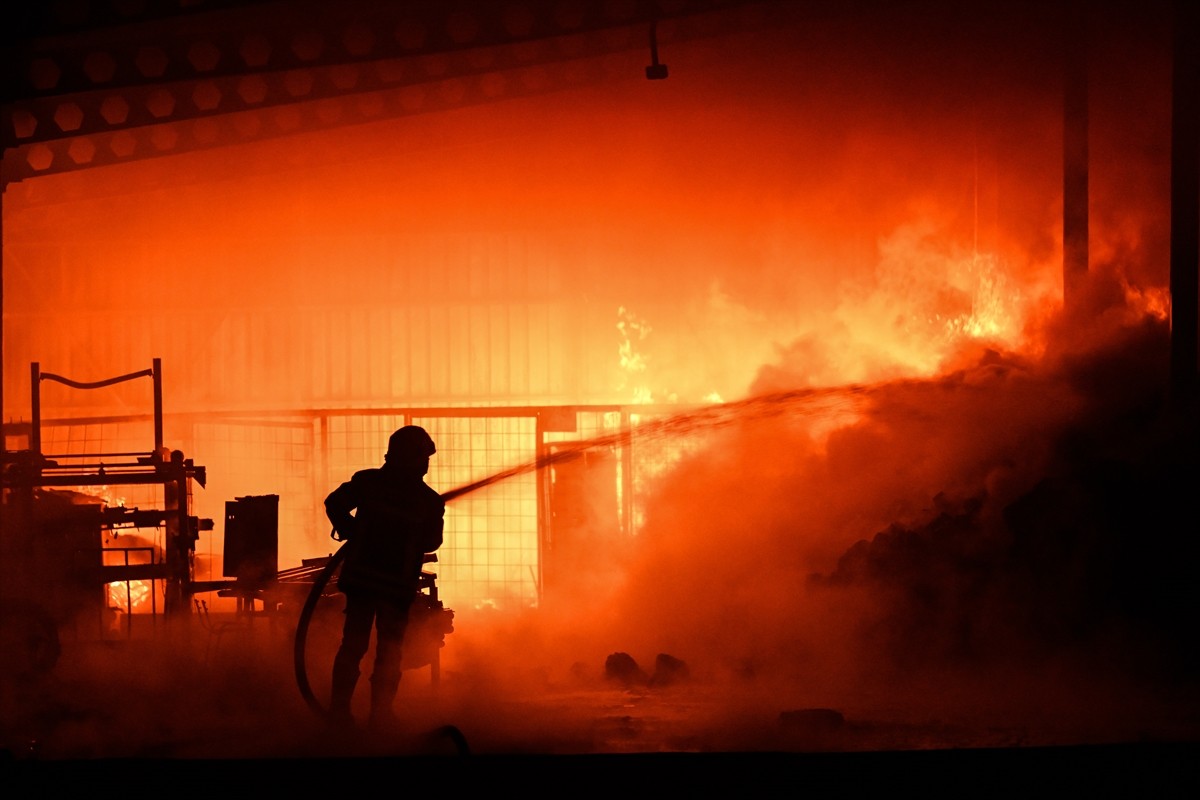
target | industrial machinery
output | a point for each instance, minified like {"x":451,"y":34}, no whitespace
{"x":55,"y":565}
{"x":58,"y":557}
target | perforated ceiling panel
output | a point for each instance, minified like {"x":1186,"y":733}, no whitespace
{"x":95,"y":83}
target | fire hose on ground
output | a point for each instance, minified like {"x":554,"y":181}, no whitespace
{"x":450,"y":732}
{"x":306,"y":613}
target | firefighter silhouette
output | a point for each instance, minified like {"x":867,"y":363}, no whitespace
{"x":390,"y":518}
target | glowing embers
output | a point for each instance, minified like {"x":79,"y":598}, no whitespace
{"x":989,"y":305}
{"x":951,"y":294}
{"x":127,"y":546}
{"x":131,"y":597}
{"x":925,"y":300}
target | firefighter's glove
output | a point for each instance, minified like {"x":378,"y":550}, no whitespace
{"x":344,"y":531}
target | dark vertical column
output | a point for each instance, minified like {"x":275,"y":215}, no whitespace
{"x":35,"y":408}
{"x":158,"y":409}
{"x":1185,"y":200}
{"x":320,"y":472}
{"x":2,"y":416}
{"x":545,"y":542}
{"x":1075,"y":154}
{"x":3,"y":440}
{"x":178,"y":589}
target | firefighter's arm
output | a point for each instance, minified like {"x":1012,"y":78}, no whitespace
{"x":338,"y":505}
{"x":433,"y":531}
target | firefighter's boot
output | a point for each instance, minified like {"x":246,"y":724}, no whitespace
{"x":383,"y":695}
{"x":345,"y":678}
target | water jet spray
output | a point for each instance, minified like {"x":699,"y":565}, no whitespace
{"x":812,"y":401}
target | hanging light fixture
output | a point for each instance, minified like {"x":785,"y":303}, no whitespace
{"x":656,"y":71}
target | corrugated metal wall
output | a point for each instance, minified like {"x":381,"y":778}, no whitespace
{"x":293,"y":342}
{"x":473,"y":319}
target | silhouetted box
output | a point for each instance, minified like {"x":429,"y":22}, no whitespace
{"x":252,"y":539}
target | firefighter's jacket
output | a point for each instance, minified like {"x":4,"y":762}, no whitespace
{"x":396,"y":520}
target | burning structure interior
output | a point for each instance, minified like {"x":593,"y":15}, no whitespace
{"x":845,"y":353}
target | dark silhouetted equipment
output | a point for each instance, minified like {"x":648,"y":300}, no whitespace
{"x":53,"y":551}
{"x":252,"y":540}
{"x":656,"y":71}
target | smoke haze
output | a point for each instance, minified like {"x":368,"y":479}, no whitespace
{"x":976,"y":530}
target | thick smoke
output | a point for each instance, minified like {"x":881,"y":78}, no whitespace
{"x":992,"y":525}
{"x":1004,"y":544}
{"x":1019,"y":523}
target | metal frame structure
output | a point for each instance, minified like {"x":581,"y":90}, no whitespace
{"x":550,"y":427}
{"x":30,"y":477}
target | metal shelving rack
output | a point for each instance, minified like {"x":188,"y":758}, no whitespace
{"x":49,"y":555}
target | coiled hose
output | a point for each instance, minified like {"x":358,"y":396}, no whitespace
{"x":300,"y":646}
{"x":299,"y":650}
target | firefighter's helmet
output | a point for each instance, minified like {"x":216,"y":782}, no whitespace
{"x":410,"y":442}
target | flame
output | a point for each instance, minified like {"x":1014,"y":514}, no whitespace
{"x":929,"y":299}
{"x":1152,"y":302}
{"x":925,"y":301}
{"x":131,"y":597}
{"x":105,"y":493}
{"x":632,"y":361}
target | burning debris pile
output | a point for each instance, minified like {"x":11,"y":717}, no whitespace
{"x":1094,"y":557}
{"x":1017,"y":528}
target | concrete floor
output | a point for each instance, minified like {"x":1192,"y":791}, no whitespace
{"x":217,"y":706}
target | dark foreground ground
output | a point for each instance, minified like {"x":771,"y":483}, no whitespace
{"x":1131,"y":770}
{"x":206,"y":715}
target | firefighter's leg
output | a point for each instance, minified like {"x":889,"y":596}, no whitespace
{"x":385,"y":678}
{"x":356,"y":638}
